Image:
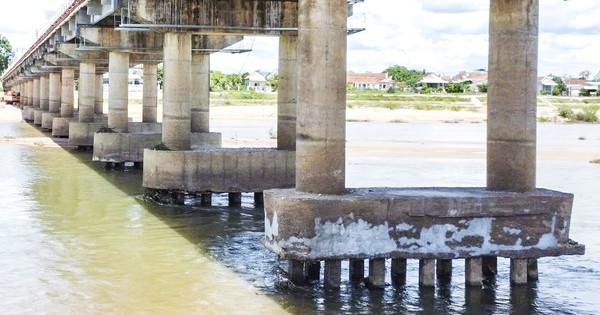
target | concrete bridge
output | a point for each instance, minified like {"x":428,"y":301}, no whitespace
{"x":311,"y":218}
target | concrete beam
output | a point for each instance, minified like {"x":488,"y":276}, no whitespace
{"x":407,"y":224}
{"x":225,"y":17}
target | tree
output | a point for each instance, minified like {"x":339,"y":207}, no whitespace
{"x":160,"y":74}
{"x":6,"y":53}
{"x":584,"y":75}
{"x":483,"y":87}
{"x":402,"y":74}
{"x":457,"y":87}
{"x":273,"y":81}
{"x":561,"y":87}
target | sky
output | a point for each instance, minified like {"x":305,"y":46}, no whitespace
{"x":440,"y":36}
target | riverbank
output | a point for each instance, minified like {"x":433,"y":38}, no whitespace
{"x":392,"y":140}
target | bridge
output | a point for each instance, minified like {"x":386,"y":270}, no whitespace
{"x":311,"y":218}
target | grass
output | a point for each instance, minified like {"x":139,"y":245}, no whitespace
{"x":596,"y":161}
{"x":579,"y":113}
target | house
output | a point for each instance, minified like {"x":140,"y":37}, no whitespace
{"x":258,"y":81}
{"x":369,"y":81}
{"x":591,"y":88}
{"x":433,"y":81}
{"x":574,"y":86}
{"x":473,"y":78}
{"x":546,"y":85}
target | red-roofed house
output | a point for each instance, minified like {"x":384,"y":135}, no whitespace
{"x":369,"y":81}
{"x":574,"y":86}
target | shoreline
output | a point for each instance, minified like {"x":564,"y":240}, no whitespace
{"x":443,"y":148}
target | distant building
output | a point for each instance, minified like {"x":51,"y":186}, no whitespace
{"x":258,"y":81}
{"x":546,"y":85}
{"x":369,"y":81}
{"x":574,"y":86}
{"x":433,"y":81}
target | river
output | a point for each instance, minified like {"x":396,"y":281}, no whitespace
{"x":76,"y":238}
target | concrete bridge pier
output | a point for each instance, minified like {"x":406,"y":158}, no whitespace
{"x":54,"y":91}
{"x":35,"y":99}
{"x":60,"y":125}
{"x":511,"y":146}
{"x":321,"y":116}
{"x":81,"y":132}
{"x":199,"y":170}
{"x":124,"y":141}
{"x":118,"y":92}
{"x":150,"y":93}
{"x":44,"y":91}
{"x":321,"y":220}
{"x":200,"y":104}
{"x":99,"y":98}
{"x":28,"y":110}
{"x":287,"y":93}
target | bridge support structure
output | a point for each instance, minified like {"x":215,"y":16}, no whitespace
{"x":60,"y":125}
{"x":321,"y":220}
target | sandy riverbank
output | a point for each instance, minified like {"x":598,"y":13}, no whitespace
{"x":584,"y":150}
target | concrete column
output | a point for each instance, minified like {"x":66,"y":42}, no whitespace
{"x":312,"y":270}
{"x":296,"y":271}
{"x":35,"y":92}
{"x":30,"y":93}
{"x":29,"y":89}
{"x":287,"y":92}
{"x":176,"y":126}
{"x":118,"y":74}
{"x":473,"y":274}
{"x":67,"y":96}
{"x":87,"y":91}
{"x":377,"y":273}
{"x":357,"y":270}
{"x":99,"y":99}
{"x":333,"y":273}
{"x":54,"y":92}
{"x":235,"y":199}
{"x":443,"y":269}
{"x":259,"y":198}
{"x":489,"y":266}
{"x":321,"y":121}
{"x":398,"y":272}
{"x":518,"y":271}
{"x":150,"y":91}
{"x":206,"y":199}
{"x":511,"y":127}
{"x":427,"y":272}
{"x":44,"y":93}
{"x":200,"y":92}
{"x":532,"y":269}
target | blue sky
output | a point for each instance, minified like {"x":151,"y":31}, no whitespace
{"x":442,"y":36}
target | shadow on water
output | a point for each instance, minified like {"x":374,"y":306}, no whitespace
{"x":231,"y":235}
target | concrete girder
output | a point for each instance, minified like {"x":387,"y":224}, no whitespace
{"x":109,"y":39}
{"x":209,"y":16}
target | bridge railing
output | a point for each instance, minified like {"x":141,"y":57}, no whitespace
{"x":62,"y":13}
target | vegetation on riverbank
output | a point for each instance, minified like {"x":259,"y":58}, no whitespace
{"x":550,"y":108}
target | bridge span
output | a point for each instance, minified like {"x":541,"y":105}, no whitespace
{"x":311,"y":218}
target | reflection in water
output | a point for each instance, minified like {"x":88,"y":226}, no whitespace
{"x":76,"y":238}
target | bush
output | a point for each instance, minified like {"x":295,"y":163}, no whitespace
{"x":588,"y":114}
{"x":426,"y":90}
{"x":391,"y":90}
{"x":565,"y":112}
